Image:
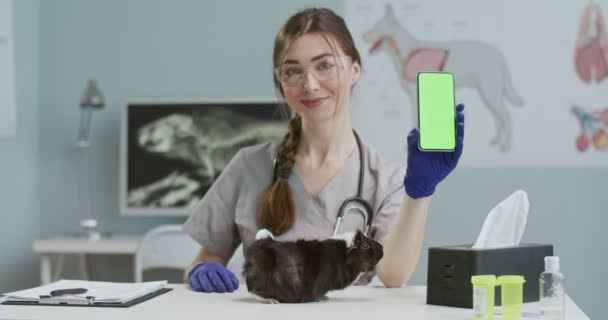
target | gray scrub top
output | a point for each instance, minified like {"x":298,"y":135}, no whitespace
{"x":227,"y":213}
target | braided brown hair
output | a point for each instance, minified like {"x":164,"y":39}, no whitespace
{"x":276,"y":208}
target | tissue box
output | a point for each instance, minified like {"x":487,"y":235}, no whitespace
{"x":450,"y":269}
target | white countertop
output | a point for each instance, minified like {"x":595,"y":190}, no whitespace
{"x":349,"y":304}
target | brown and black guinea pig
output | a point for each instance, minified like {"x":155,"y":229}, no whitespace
{"x":305,"y":270}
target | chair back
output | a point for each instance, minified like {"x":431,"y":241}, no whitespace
{"x":165,"y":246}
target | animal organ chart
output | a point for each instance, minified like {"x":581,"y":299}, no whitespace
{"x":536,"y":93}
{"x":7,"y":71}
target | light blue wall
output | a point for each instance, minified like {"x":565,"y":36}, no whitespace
{"x":192,"y":48}
{"x":19,"y":168}
{"x":188,"y":48}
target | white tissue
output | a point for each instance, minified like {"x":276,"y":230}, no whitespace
{"x":505,"y":224}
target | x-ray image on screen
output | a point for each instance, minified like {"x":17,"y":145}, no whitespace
{"x":173,"y":153}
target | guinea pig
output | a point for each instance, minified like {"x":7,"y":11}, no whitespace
{"x":305,"y":270}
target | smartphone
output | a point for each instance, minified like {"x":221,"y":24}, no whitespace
{"x":436,"y":111}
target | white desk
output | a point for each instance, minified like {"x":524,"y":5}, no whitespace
{"x":81,"y":246}
{"x":350,"y":304}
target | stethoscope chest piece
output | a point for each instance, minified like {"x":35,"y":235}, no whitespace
{"x":354,"y":205}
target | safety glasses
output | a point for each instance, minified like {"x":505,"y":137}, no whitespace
{"x":324,"y":69}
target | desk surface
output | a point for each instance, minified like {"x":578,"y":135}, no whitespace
{"x":110,"y":245}
{"x":350,"y":304}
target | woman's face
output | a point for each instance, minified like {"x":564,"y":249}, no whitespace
{"x":313,"y":77}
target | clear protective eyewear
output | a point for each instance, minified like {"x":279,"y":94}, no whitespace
{"x":325,"y":69}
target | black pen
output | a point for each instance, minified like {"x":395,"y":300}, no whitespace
{"x":61,"y":292}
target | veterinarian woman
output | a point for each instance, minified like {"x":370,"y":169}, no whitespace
{"x":316,"y":66}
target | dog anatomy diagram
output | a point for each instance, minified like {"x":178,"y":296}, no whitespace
{"x":7,"y":73}
{"x":522,"y":82}
{"x":490,"y":78}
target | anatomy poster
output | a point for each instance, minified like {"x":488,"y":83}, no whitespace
{"x":7,"y":71}
{"x":533,"y":76}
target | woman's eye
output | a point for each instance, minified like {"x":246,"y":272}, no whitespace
{"x":326,"y":65}
{"x":292,"y":71}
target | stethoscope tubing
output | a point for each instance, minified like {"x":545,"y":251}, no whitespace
{"x":363,"y":206}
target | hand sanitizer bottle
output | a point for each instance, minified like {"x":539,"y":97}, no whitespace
{"x":552,"y":291}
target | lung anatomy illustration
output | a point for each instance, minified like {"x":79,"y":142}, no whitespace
{"x":591,"y":53}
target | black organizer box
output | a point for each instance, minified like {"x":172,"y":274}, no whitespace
{"x":450,"y":269}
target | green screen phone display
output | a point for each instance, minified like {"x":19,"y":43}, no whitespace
{"x":436,"y":111}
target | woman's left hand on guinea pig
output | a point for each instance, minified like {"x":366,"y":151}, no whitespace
{"x":426,"y":169}
{"x":212,"y":277}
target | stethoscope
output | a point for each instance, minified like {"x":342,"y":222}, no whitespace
{"x":352,"y":204}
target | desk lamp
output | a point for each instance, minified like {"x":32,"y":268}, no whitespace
{"x":91,"y":100}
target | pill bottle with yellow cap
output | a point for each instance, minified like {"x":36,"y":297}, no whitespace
{"x":483,"y":296}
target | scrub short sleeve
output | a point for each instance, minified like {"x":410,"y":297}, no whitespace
{"x":392,"y":195}
{"x":211,"y":223}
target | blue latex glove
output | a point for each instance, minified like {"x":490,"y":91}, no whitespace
{"x":426,"y":169}
{"x":212,"y":277}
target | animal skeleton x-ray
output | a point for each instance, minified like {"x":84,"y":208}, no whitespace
{"x":178,"y":155}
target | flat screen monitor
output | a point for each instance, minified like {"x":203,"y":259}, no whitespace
{"x":172,"y":151}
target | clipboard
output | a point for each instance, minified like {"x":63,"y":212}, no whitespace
{"x":90,"y":303}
